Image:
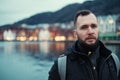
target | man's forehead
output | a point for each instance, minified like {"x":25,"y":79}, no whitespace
{"x":88,"y":19}
{"x":90,"y":16}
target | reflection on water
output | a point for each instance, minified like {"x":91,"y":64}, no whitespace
{"x":28,"y":60}
{"x":31,"y":60}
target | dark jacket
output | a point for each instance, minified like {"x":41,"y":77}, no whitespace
{"x":80,"y":67}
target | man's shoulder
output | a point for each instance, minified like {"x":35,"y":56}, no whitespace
{"x":117,"y":62}
{"x":65,"y":52}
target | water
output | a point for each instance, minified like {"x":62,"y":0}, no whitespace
{"x":31,"y":60}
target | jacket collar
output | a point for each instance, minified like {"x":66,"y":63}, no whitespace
{"x":104,"y":52}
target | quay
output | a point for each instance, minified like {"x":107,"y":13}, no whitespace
{"x":111,"y":42}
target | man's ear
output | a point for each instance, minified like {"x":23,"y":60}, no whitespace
{"x":75,"y":34}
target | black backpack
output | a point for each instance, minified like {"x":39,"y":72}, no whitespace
{"x":62,"y":65}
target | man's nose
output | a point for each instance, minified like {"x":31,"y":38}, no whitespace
{"x":90,"y":30}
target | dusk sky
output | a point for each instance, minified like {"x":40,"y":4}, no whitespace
{"x":14,"y":10}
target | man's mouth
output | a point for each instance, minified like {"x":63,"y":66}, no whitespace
{"x":91,"y":39}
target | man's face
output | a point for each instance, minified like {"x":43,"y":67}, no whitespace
{"x":87,"y":29}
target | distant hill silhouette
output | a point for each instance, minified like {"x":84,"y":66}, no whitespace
{"x":66,"y":14}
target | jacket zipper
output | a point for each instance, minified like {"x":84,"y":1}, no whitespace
{"x":92,"y":70}
{"x":91,"y":73}
{"x":100,"y":75}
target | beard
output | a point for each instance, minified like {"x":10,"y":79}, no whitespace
{"x":87,"y":38}
{"x":86,"y":46}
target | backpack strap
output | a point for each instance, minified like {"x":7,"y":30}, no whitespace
{"x":117,"y":62}
{"x":62,"y":67}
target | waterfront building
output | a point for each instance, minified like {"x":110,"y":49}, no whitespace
{"x":9,"y":35}
{"x":107,"y":24}
{"x":107,"y":27}
{"x":44,"y":34}
{"x":118,"y":25}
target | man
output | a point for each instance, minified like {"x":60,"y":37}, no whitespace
{"x":88,"y":58}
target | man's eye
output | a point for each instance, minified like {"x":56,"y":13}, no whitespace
{"x":84,"y":27}
{"x":93,"y":25}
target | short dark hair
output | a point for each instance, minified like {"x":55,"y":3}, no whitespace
{"x":81,"y":13}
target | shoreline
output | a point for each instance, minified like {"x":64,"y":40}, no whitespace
{"x":114,"y":42}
